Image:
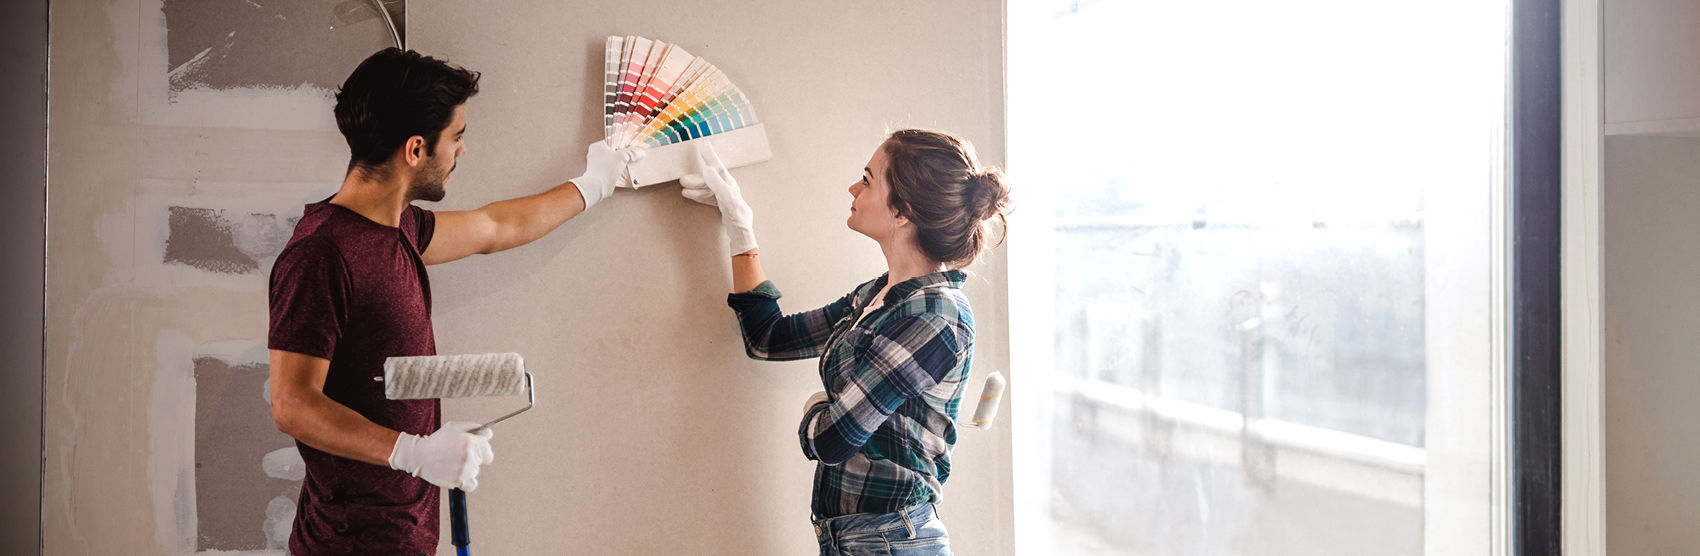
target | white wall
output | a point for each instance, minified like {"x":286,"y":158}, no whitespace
{"x":653,"y":432}
{"x":1652,"y":314}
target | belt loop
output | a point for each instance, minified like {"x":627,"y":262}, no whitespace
{"x":823,"y":527}
{"x":907,"y":524}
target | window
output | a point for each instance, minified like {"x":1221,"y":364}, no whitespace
{"x":1252,"y":275}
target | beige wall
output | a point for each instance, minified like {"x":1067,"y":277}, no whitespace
{"x":1652,"y":310}
{"x":1651,"y":62}
{"x":653,"y":432}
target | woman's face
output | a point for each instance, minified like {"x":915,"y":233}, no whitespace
{"x":870,"y":206}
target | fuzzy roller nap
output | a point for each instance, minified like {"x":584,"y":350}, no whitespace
{"x":459,"y":376}
{"x":454,"y":376}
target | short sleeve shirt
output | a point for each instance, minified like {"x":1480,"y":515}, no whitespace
{"x":355,"y":292}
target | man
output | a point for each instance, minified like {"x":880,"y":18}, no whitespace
{"x":350,"y":290}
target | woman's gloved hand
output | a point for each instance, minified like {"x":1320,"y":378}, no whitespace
{"x":602,"y":169}
{"x":449,"y":458}
{"x":714,"y":186}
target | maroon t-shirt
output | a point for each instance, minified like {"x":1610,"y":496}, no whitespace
{"x":355,"y":292}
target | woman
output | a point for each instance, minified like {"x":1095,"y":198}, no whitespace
{"x":895,"y":352}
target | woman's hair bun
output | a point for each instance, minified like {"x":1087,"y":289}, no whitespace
{"x":989,"y":195}
{"x":937,"y":183}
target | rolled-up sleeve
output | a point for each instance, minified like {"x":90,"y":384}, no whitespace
{"x":773,"y":336}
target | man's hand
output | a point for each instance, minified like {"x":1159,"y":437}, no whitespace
{"x":602,"y":168}
{"x":449,"y":458}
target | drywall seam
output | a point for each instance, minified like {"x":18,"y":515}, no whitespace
{"x":46,"y":215}
{"x":171,"y":459}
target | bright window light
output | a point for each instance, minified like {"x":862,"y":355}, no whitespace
{"x":1252,"y":275}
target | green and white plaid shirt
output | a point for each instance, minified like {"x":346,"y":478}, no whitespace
{"x":895,"y":381}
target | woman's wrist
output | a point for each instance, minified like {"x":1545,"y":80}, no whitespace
{"x":746,"y":271}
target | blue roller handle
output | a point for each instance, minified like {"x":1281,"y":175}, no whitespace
{"x":457,"y":522}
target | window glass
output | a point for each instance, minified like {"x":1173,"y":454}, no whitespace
{"x":1251,"y":274}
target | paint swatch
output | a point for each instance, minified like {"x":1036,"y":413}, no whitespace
{"x":657,"y":94}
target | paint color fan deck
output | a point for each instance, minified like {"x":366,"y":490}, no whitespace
{"x":659,"y":97}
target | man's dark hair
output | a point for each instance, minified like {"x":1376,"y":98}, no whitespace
{"x":396,"y":94}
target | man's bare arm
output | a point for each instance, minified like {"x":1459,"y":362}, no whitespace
{"x":502,"y":225}
{"x":515,"y":222}
{"x":301,"y":410}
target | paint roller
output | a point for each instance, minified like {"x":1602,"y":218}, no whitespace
{"x":459,"y":376}
{"x":990,"y":395}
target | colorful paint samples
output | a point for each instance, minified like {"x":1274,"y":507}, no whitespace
{"x":657,"y":94}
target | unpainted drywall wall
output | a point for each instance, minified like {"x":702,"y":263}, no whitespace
{"x":1651,"y":60}
{"x":653,"y":433}
{"x":23,"y":171}
{"x":1652,"y":312}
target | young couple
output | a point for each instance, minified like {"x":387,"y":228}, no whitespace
{"x":351,"y":289}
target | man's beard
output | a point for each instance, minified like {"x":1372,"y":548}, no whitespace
{"x":428,"y":183}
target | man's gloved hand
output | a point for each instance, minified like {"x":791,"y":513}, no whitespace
{"x":602,"y":169}
{"x":449,"y":458}
{"x":715,"y":187}
{"x":817,"y":398}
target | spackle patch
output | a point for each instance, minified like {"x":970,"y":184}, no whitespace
{"x":267,"y":44}
{"x":243,"y":465}
{"x":223,"y":241}
{"x":280,"y":514}
{"x":286,"y":464}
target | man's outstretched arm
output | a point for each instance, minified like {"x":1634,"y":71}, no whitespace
{"x":508,"y":224}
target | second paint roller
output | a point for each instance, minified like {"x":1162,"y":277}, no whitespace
{"x":459,"y":376}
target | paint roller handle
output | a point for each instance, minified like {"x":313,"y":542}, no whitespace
{"x":457,"y":521}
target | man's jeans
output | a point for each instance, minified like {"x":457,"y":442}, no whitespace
{"x":915,"y":531}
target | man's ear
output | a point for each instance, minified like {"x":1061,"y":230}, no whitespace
{"x":413,"y":151}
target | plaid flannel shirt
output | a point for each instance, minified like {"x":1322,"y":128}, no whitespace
{"x":895,"y":381}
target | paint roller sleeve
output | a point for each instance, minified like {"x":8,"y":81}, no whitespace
{"x":454,"y":376}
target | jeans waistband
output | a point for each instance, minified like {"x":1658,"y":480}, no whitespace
{"x":907,"y":519}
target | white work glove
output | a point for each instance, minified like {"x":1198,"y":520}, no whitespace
{"x":449,"y":458}
{"x":714,"y":186}
{"x":818,"y":398}
{"x":602,"y":169}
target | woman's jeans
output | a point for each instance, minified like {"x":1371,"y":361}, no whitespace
{"x":915,"y":531}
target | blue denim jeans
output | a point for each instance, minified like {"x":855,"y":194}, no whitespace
{"x":915,"y":531}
